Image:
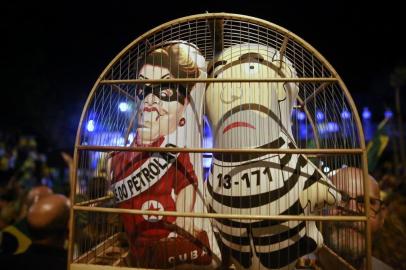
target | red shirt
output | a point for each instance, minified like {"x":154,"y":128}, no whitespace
{"x":141,"y":228}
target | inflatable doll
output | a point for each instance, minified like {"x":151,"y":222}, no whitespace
{"x":169,"y":115}
{"x":258,"y":115}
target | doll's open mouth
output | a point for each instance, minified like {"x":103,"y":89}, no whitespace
{"x":150,"y":113}
{"x":236,"y":125}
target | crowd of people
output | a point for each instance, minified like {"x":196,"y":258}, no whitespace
{"x":34,"y":208}
{"x":23,"y":165}
{"x":388,"y":242}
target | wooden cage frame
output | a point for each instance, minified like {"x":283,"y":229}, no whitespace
{"x":335,"y":78}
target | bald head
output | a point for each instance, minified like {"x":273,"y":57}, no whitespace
{"x":350,"y":180}
{"x":37,"y":193}
{"x":48,"y":218}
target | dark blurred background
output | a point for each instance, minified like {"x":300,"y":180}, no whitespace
{"x":52,"y":53}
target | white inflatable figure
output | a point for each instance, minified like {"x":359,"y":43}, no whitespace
{"x":258,"y":115}
{"x":169,"y":115}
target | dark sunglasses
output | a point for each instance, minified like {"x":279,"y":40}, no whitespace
{"x":177,"y":92}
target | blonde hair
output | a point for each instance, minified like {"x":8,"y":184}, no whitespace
{"x":179,"y":57}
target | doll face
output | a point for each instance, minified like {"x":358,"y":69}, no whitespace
{"x":241,"y":113}
{"x":161,"y":108}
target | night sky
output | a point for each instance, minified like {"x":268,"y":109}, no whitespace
{"x":51,"y":54}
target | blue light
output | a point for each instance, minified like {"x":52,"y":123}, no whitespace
{"x":300,"y":115}
{"x":206,"y":128}
{"x":207,"y":143}
{"x":303,"y":131}
{"x":367,"y":124}
{"x":131,"y":137}
{"x":329,"y":127}
{"x":207,"y":160}
{"x":90,"y":126}
{"x":119,"y":141}
{"x":319,"y":115}
{"x":123,"y":106}
{"x":332,"y":127}
{"x":345,"y":114}
{"x":388,"y":113}
{"x":366,"y":114}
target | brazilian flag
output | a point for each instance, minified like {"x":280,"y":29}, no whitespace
{"x":377,"y":145}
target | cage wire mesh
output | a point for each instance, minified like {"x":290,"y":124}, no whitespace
{"x":239,"y":143}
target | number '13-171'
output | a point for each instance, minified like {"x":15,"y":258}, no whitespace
{"x":248,"y":178}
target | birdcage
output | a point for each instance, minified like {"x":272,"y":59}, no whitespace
{"x":212,"y":141}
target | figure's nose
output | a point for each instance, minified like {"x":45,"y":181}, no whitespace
{"x":230,"y":92}
{"x":151,"y":99}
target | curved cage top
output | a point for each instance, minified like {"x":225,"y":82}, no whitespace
{"x":324,"y":115}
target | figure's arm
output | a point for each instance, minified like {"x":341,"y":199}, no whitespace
{"x":185,"y":202}
{"x":321,"y":191}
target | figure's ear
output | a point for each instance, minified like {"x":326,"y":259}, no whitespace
{"x":281,"y":92}
{"x":289,"y":88}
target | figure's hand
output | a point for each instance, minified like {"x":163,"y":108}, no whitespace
{"x":318,"y":195}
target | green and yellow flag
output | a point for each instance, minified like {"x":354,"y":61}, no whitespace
{"x":377,"y":145}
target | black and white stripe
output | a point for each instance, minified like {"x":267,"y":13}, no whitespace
{"x":264,"y":244}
